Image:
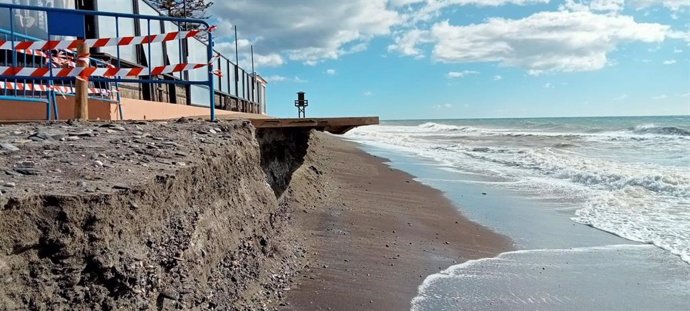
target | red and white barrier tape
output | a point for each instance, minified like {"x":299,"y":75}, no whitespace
{"x":96,"y":43}
{"x":85,"y":72}
{"x":60,"y":60}
{"x":17,"y":86}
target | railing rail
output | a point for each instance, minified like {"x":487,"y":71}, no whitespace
{"x":145,"y":54}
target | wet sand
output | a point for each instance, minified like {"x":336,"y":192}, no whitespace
{"x":378,"y":235}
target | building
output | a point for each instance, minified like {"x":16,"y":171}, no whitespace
{"x":235,"y":89}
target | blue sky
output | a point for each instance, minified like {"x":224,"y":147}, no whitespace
{"x":418,"y":59}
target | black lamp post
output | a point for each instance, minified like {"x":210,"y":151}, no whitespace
{"x":301,"y":105}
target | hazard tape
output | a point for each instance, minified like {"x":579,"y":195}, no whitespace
{"x":62,"y":59}
{"x":84,"y":72}
{"x":17,"y":86}
{"x":97,"y":43}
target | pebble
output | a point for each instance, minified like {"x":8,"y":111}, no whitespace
{"x":9,"y":184}
{"x":9,"y":147}
{"x":72,"y":138}
{"x":212,"y":131}
{"x":88,"y":133}
{"x":170,"y":295}
{"x":98,"y":163}
{"x":81,"y":183}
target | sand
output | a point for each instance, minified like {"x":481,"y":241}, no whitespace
{"x":378,"y":235}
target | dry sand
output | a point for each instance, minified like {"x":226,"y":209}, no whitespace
{"x":379,"y":234}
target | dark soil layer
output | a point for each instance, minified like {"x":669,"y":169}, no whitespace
{"x":143,"y":216}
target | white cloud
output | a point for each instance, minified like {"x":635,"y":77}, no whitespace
{"x":443,"y":106}
{"x":308,"y":30}
{"x":673,"y":5}
{"x":563,"y":41}
{"x":548,"y":85}
{"x":660,"y":97}
{"x":460,"y":74}
{"x":620,"y":97}
{"x":406,"y":44}
{"x":498,"y":78}
{"x":330,"y":72}
{"x":685,"y":95}
{"x":680,"y":35}
{"x":275,"y":78}
{"x":243,"y":46}
{"x":669,"y":62}
{"x":368,"y":93}
{"x":279,"y":78}
{"x":432,"y":8}
{"x":677,"y":51}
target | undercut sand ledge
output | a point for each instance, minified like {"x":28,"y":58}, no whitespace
{"x":201,"y":216}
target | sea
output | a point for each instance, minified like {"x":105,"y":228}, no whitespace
{"x":598,"y":208}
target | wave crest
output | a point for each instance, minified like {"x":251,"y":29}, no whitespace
{"x":660,"y":130}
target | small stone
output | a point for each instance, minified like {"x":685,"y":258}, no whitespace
{"x":212,"y":131}
{"x":72,"y":138}
{"x":8,"y":147}
{"x":87,"y":133}
{"x":121,"y":187}
{"x":26,"y":171}
{"x":483,"y":193}
{"x":9,"y":184}
{"x":27,"y":164}
{"x":181,"y":164}
{"x":81,"y":183}
{"x":98,"y":163}
{"x":170,"y":295}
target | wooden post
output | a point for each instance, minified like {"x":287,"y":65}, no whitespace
{"x":81,"y":111}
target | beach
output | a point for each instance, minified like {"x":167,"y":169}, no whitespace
{"x":378,"y":234}
{"x":597,"y":208}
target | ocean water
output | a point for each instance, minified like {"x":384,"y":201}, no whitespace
{"x":550,"y":181}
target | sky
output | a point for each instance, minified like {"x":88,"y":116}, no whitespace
{"x":424,"y":59}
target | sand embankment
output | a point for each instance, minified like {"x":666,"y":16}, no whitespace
{"x":200,"y":216}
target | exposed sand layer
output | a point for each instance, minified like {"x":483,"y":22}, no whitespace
{"x":194,"y":215}
{"x":379,"y":234}
{"x":143,"y":216}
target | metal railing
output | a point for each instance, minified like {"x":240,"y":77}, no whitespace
{"x":194,"y":82}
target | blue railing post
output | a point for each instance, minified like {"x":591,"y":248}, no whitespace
{"x":211,"y":91}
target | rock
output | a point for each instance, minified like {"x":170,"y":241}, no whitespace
{"x":121,"y":187}
{"x":13,"y":173}
{"x":98,"y":163}
{"x":212,"y":131}
{"x":72,"y":138}
{"x":47,"y":135}
{"x":26,"y":170}
{"x":114,"y":126}
{"x":8,"y":147}
{"x":170,"y":295}
{"x":87,"y":133}
{"x":9,"y":184}
{"x":27,"y":164}
{"x":81,"y":183}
